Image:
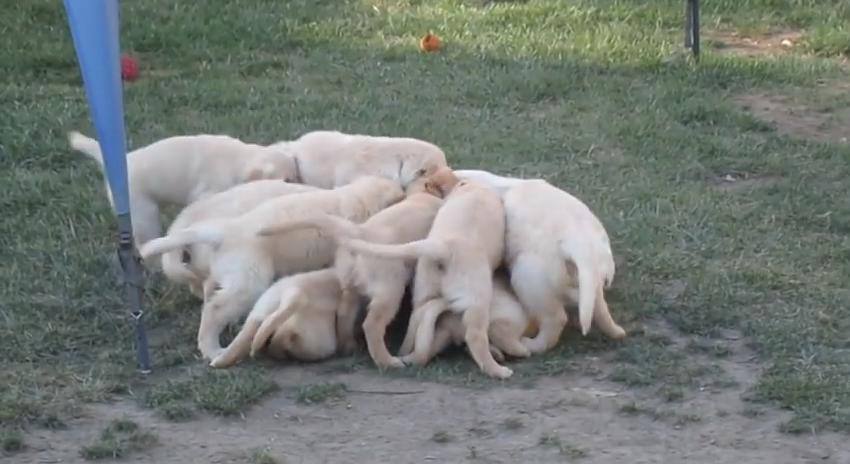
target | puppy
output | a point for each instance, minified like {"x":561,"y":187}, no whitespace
{"x":509,"y":323}
{"x":498,"y":183}
{"x":455,"y":267}
{"x":179,"y":170}
{"x":245,"y":265}
{"x":557,"y":251}
{"x":298,"y":313}
{"x":381,"y":280}
{"x":190,"y":265}
{"x":328,"y":159}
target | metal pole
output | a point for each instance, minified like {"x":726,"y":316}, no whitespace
{"x":134,"y":285}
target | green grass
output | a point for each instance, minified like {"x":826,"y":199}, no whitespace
{"x":120,"y":438}
{"x":576,"y":91}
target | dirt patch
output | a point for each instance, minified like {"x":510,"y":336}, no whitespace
{"x":742,"y":43}
{"x":376,"y":419}
{"x":813,"y":117}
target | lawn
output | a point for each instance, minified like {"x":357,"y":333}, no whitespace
{"x":724,"y":186}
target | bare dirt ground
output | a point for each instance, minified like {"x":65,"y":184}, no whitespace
{"x":371,"y":418}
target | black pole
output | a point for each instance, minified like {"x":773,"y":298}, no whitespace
{"x":692,"y":38}
{"x":695,"y":31}
{"x":134,"y":285}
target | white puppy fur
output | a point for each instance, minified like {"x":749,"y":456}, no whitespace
{"x":381,"y":280}
{"x":509,"y":323}
{"x":179,"y":170}
{"x":298,"y":314}
{"x":455,"y":267}
{"x":190,"y":265}
{"x":558,"y":252}
{"x":245,"y":264}
{"x":328,"y":159}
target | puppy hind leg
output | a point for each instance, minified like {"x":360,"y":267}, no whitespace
{"x":424,"y":336}
{"x":475,"y":322}
{"x":346,"y":314}
{"x":381,"y":311}
{"x":239,"y":290}
{"x":145,"y":217}
{"x":290,"y":300}
{"x":542,"y":304}
{"x":241,"y":344}
{"x":602,"y":318}
{"x":506,"y":339}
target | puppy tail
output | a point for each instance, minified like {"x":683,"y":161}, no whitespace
{"x":286,"y":308}
{"x":587,"y":280}
{"x":426,"y":248}
{"x":332,"y":225}
{"x":213,"y":234}
{"x":86,"y":145}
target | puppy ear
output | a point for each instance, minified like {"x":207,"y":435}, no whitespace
{"x":259,"y":172}
{"x":432,"y":187}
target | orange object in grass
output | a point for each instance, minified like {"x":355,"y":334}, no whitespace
{"x":429,"y":42}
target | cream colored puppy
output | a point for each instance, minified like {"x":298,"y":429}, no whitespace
{"x":498,"y":183}
{"x":328,"y":159}
{"x":456,"y":265}
{"x":190,"y":265}
{"x":245,"y":265}
{"x":298,"y":313}
{"x":558,"y":252}
{"x":381,"y":280}
{"x":179,"y":170}
{"x":509,"y":323}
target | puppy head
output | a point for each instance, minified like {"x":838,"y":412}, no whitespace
{"x":425,"y":185}
{"x":273,"y":162}
{"x":421,"y":166}
{"x":303,"y":340}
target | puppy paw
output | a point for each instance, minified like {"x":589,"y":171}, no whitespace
{"x":412,"y":360}
{"x":501,"y":372}
{"x":210,"y":355}
{"x":531,"y":345}
{"x":219,"y":362}
{"x":390,"y":363}
{"x":618,"y":333}
{"x":497,"y":354}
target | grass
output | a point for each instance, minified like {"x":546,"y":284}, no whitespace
{"x":120,"y":438}
{"x":576,"y":91}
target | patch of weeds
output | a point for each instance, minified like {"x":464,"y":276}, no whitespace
{"x":12,"y":440}
{"x":262,"y":456}
{"x":222,"y":392}
{"x":513,"y":423}
{"x":569,"y":452}
{"x":657,"y":414}
{"x":441,"y":436}
{"x":713,"y":348}
{"x":320,"y":393}
{"x":119,"y":439}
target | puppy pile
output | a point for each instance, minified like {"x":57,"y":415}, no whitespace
{"x":293,"y":235}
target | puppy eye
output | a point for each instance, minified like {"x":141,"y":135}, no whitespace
{"x":421,"y":172}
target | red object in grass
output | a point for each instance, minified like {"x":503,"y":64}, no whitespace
{"x":129,"y":68}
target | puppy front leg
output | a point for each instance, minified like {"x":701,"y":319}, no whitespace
{"x":346,"y":314}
